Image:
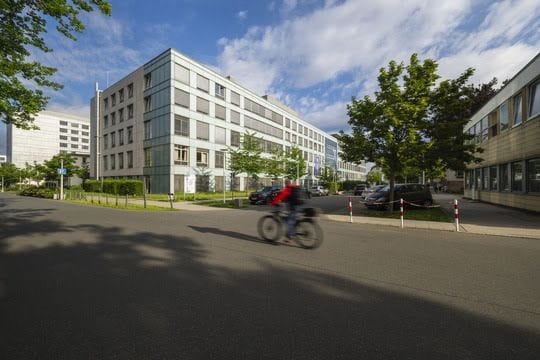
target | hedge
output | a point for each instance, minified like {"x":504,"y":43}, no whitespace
{"x":37,"y":192}
{"x":115,"y":186}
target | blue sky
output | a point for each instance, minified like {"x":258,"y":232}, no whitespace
{"x":313,"y":55}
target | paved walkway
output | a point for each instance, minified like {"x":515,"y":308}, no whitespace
{"x":475,"y":217}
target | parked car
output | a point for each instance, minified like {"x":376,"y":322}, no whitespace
{"x":359,"y":188}
{"x":414,"y":193}
{"x":264,"y":195}
{"x":318,"y":191}
{"x":371,"y":190}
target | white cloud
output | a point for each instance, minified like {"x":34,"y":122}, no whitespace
{"x":242,"y":14}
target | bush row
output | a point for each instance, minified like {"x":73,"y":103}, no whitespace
{"x":37,"y":192}
{"x":115,"y":186}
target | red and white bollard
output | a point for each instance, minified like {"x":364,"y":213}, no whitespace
{"x":401,"y":211}
{"x":350,"y":209}
{"x":456,"y":214}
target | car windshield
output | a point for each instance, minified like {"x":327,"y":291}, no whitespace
{"x":264,"y":189}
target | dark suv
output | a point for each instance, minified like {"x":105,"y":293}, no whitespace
{"x":417,"y":194}
{"x":358,"y":189}
{"x":264,"y":195}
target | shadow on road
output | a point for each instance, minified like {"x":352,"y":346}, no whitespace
{"x":231,"y":234}
{"x":106,"y":292}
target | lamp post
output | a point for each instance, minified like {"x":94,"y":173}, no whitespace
{"x":61,"y":178}
{"x":224,"y":182}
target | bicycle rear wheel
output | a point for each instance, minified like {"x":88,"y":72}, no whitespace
{"x":269,"y":228}
{"x":308,"y":234}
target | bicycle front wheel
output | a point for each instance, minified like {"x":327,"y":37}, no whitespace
{"x":308,"y":234}
{"x":269,"y":228}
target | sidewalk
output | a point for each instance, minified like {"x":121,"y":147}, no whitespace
{"x":475,"y":217}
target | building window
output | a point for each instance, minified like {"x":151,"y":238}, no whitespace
{"x":203,"y":83}
{"x":121,"y":115}
{"x":220,"y":112}
{"x":148,"y":157}
{"x":75,"y":132}
{"x":130,"y":90}
{"x":74,"y":138}
{"x":63,"y":145}
{"x":235,"y":98}
{"x":202,"y":105}
{"x":485,"y":178}
{"x":121,"y":137}
{"x":493,"y":179}
{"x":106,"y":104}
{"x":235,"y":117}
{"x":63,"y":123}
{"x":534,"y":99}
{"x":147,"y":80}
{"x":181,"y":155}
{"x":84,"y":133}
{"x":181,"y":125}
{"x":202,"y":130}
{"x":85,"y":147}
{"x":105,"y":141}
{"x":75,"y":125}
{"x":202,"y":157}
{"x":63,"y":130}
{"x":121,"y":95}
{"x":113,"y":162}
{"x":105,"y":162}
{"x":503,"y":116}
{"x":219,"y":158}
{"x":517,"y":176}
{"x":147,"y":103}
{"x":219,"y":90}
{"x":181,"y":73}
{"x":533,"y":177}
{"x":287,"y":122}
{"x":113,"y":99}
{"x":517,"y":110}
{"x":220,"y":135}
{"x":147,"y":130}
{"x":130,"y":111}
{"x":106,"y":121}
{"x":181,"y":98}
{"x":130,"y":134}
{"x":113,"y":139}
{"x":293,"y":126}
{"x":63,"y":137}
{"x":113,"y":118}
{"x":85,"y":141}
{"x":85,"y":127}
{"x":120,"y":160}
{"x":235,"y":138}
{"x":129,"y":155}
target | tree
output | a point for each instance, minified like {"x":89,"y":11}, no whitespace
{"x":275,"y":165}
{"x":49,"y":169}
{"x":22,"y":25}
{"x":10,"y":173}
{"x":247,"y":158}
{"x":386,"y":129}
{"x":295,"y":164}
{"x":374,"y":177}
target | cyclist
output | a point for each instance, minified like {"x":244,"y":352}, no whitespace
{"x":293,"y":196}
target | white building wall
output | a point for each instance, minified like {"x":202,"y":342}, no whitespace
{"x":36,"y":146}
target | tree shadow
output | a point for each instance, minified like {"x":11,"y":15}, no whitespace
{"x":108,"y":292}
{"x":228,"y":233}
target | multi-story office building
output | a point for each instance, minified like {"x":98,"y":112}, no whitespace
{"x":174,"y":117}
{"x":57,"y":133}
{"x":507,"y":127}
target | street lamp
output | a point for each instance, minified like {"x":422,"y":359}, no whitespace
{"x":224,"y":164}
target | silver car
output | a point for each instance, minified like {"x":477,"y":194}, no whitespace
{"x":318,"y":191}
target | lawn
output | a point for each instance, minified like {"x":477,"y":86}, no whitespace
{"x":431,"y":214}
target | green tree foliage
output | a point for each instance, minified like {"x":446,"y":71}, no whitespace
{"x":247,"y":158}
{"x":10,"y":173}
{"x":22,"y":25}
{"x":295,"y":165}
{"x":49,"y":169}
{"x":274,"y":167}
{"x":374,"y":177}
{"x":387,"y":129}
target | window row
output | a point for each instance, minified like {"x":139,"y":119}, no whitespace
{"x":112,"y":118}
{"x":510,"y":113}
{"x":109,"y":140}
{"x":121,"y":96}
{"x":181,"y":157}
{"x":518,"y":176}
{"x":110,"y":161}
{"x":74,"y":125}
{"x":73,"y":132}
{"x":73,"y":146}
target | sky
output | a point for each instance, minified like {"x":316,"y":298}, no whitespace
{"x":313,"y":55}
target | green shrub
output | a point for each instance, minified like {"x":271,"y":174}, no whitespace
{"x":37,"y":192}
{"x":92,"y":185}
{"x":115,"y":186}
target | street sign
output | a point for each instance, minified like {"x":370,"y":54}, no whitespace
{"x":62,"y":171}
{"x":189,"y":184}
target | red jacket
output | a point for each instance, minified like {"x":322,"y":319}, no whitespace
{"x":283,"y":195}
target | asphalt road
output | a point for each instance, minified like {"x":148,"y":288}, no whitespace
{"x":93,"y":283}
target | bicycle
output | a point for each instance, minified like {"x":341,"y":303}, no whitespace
{"x":309,"y":234}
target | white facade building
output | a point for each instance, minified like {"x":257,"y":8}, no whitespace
{"x":174,"y":117}
{"x":58,"y":133}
